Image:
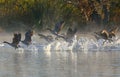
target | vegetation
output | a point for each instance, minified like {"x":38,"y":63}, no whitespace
{"x":45,"y":13}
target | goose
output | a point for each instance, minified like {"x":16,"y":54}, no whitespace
{"x":58,"y":27}
{"x":107,"y":35}
{"x":28,"y":37}
{"x":15,"y":41}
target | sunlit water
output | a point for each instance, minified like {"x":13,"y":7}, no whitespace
{"x":82,"y":58}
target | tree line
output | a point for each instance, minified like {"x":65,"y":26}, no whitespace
{"x":45,"y":13}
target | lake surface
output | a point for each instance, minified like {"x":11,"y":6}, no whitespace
{"x":59,"y":63}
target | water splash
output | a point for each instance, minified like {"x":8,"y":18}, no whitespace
{"x":83,"y":43}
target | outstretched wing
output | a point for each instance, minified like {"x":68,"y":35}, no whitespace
{"x":57,"y":35}
{"x":47,"y":38}
{"x":58,"y":27}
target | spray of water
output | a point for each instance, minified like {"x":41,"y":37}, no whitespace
{"x":83,"y":43}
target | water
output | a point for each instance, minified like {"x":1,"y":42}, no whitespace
{"x":81,"y":58}
{"x":83,"y":43}
{"x":59,"y":64}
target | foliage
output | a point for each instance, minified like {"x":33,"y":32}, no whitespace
{"x":45,"y":13}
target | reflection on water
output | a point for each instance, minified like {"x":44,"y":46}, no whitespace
{"x":59,"y":64}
